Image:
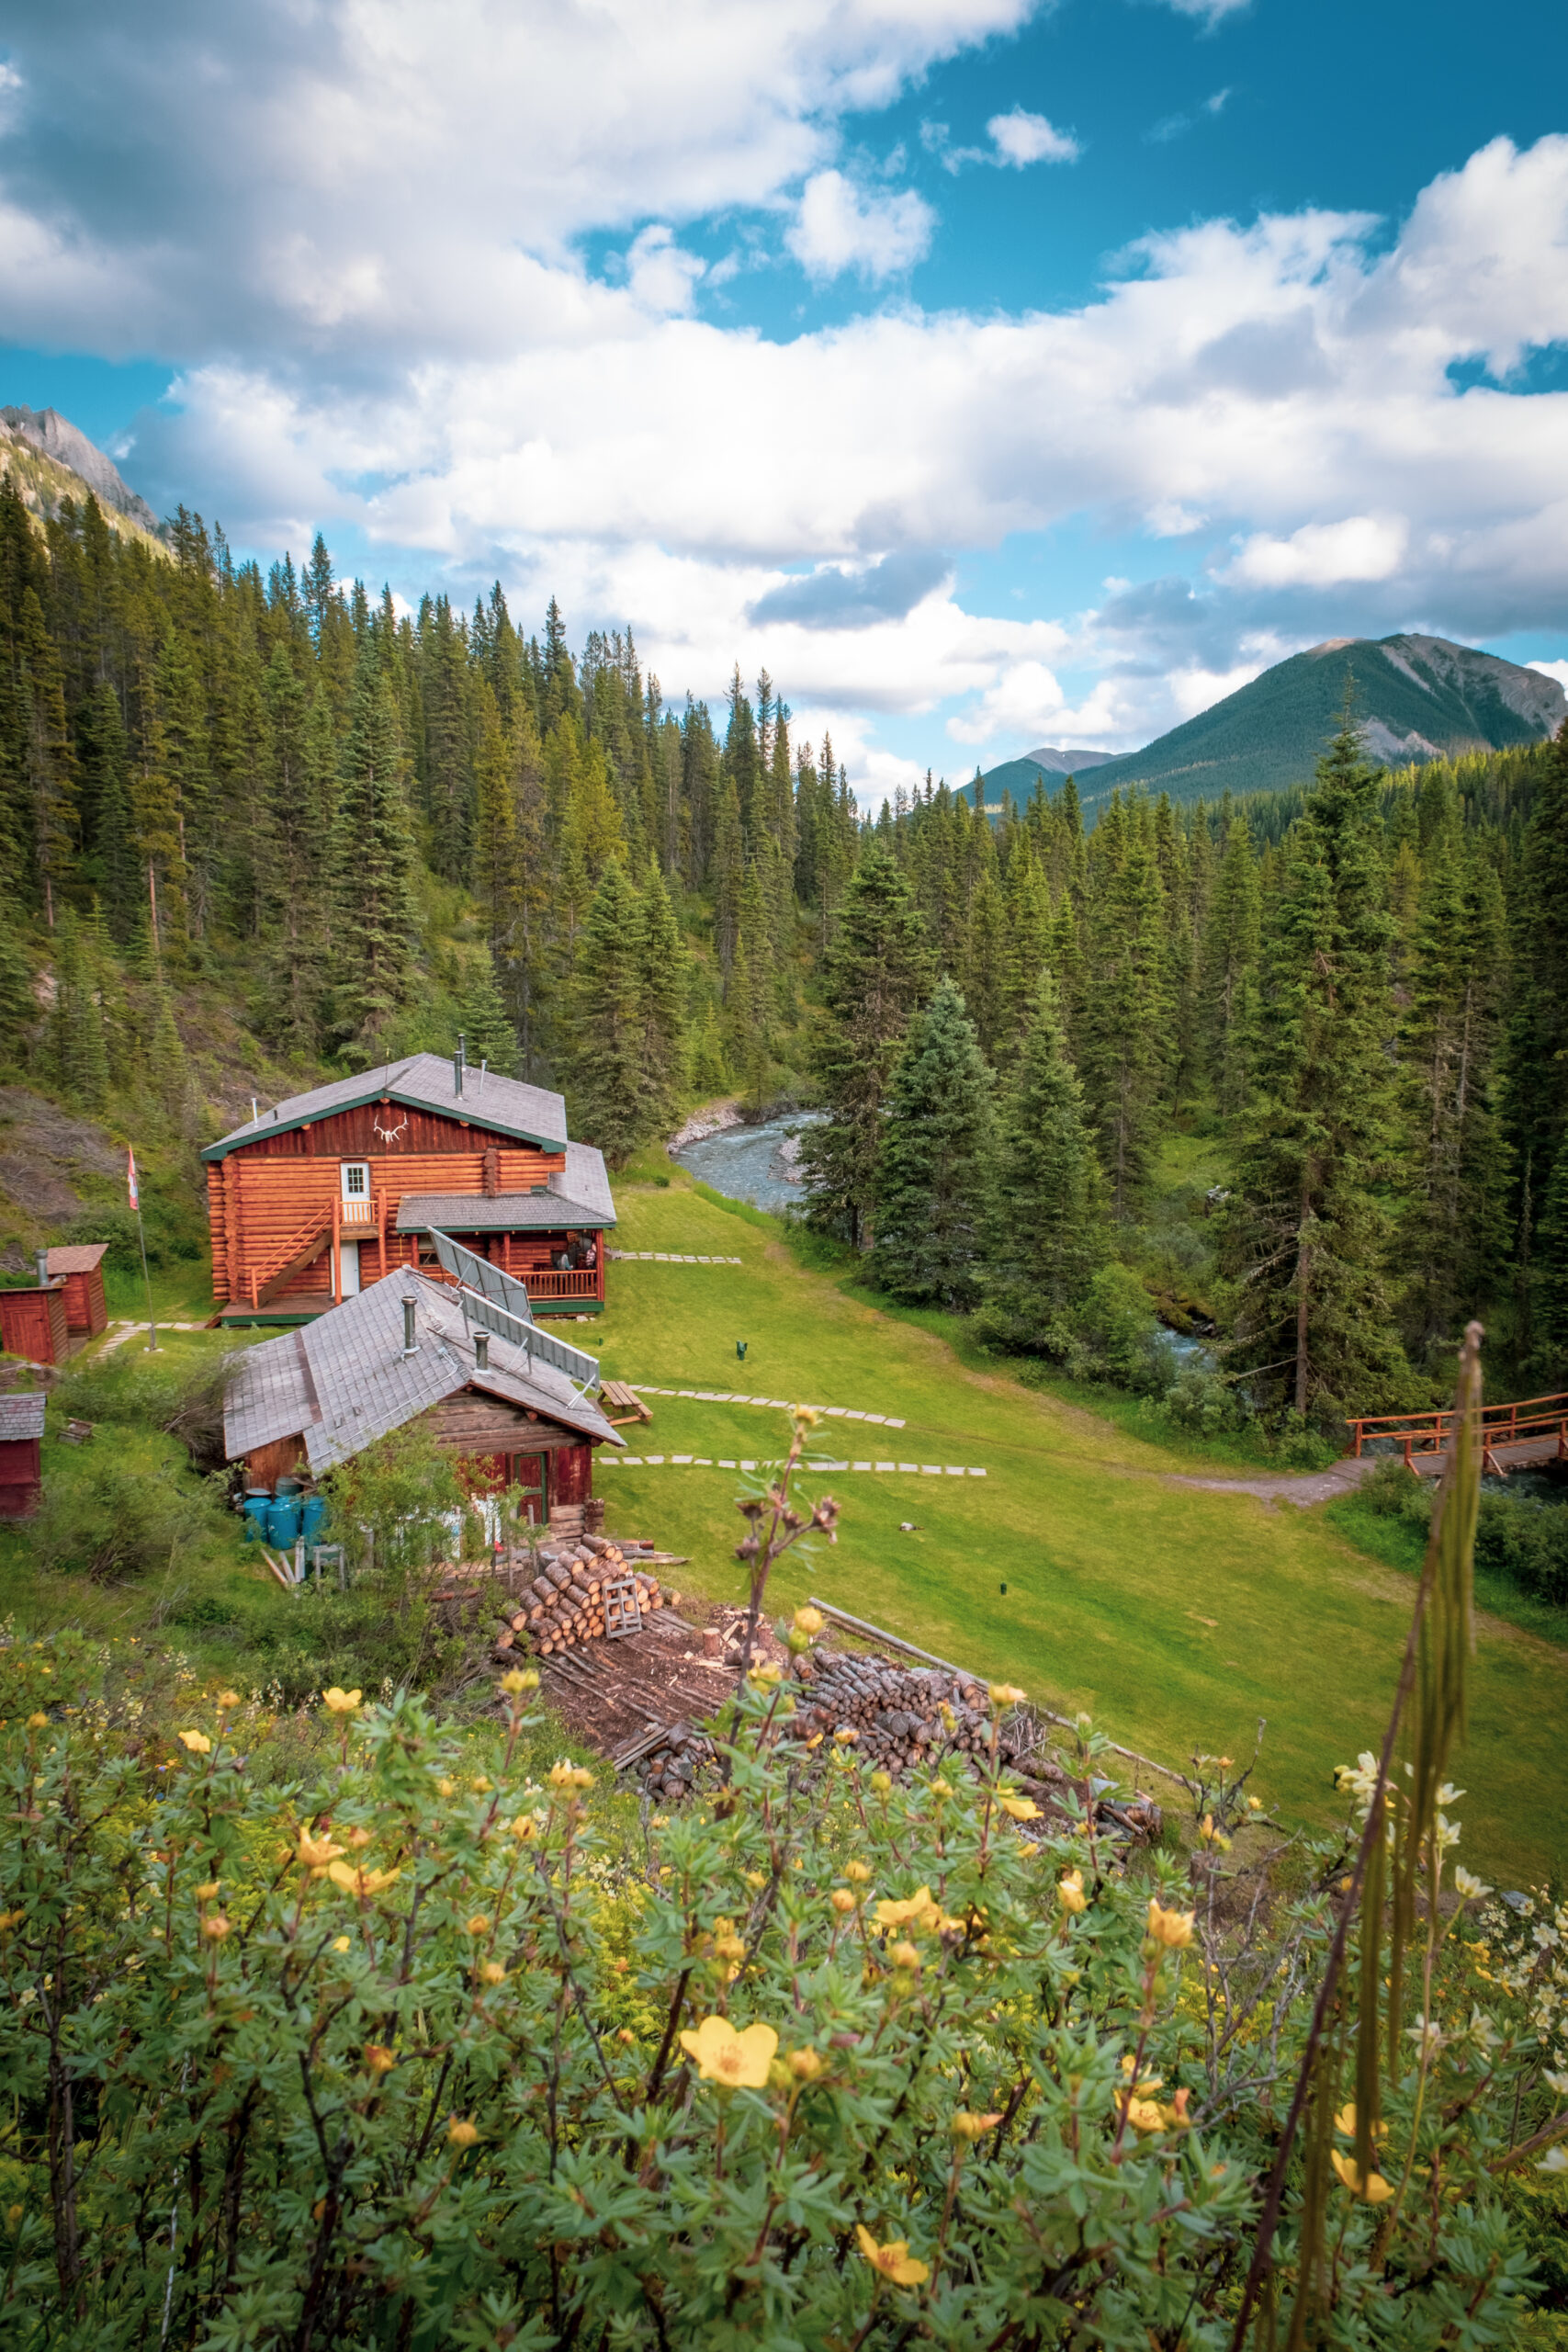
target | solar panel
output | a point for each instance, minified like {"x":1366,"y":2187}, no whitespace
{"x":499,"y":1303}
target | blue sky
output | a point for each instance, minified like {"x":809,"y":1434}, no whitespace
{"x":996,"y":374}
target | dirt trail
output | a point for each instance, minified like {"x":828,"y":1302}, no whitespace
{"x":1303,"y":1487}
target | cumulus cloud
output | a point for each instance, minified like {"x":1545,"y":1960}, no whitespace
{"x":834,"y":597}
{"x":1322,"y":555}
{"x":841,"y":227}
{"x":1021,"y":138}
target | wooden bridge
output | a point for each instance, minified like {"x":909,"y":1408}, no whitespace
{"x":1534,"y":1430}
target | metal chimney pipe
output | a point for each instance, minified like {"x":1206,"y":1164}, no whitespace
{"x":458,"y":1065}
{"x":410,"y":1345}
{"x":40,"y":1258}
{"x":482,"y":1350}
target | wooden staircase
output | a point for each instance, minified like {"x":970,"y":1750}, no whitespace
{"x":300,"y":1250}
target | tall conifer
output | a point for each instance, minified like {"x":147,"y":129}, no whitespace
{"x":1049,"y":1235}
{"x":934,"y":1174}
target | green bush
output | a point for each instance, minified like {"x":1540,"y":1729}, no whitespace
{"x":1200,"y":1402}
{"x":1523,"y":1537}
{"x":110,"y":1522}
{"x":405,"y":2054}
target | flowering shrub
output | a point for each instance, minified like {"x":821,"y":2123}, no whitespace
{"x":415,"y":2054}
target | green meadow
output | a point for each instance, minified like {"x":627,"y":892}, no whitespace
{"x":1176,"y":1617}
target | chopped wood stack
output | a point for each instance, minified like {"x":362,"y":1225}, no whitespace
{"x":896,"y":1711}
{"x":564,"y":1606}
{"x":668,"y":1761}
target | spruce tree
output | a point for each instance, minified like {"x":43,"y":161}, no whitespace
{"x":1229,"y":967}
{"x":1027,"y":945}
{"x":1550,"y":1271}
{"x":1123,"y":1030}
{"x":934,"y":1174}
{"x":1309,"y":1234}
{"x":488,"y":1034}
{"x":605,"y":1069}
{"x":877,"y":971}
{"x":81,"y":1056}
{"x":985,"y":992}
{"x":1537,"y":1037}
{"x":1049,"y":1235}
{"x":372,"y":862}
{"x":663,"y":985}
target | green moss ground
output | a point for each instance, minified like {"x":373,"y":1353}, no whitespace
{"x":1176,"y":1617}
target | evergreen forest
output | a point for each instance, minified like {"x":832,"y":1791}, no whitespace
{"x":360,"y":831}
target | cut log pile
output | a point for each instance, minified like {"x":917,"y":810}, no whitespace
{"x":566,"y":1603}
{"x":903,"y":1717}
{"x":668,"y":1761}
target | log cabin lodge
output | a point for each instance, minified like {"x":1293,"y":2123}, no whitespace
{"x":313,"y":1202}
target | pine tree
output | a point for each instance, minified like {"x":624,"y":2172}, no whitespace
{"x":1537,"y":1042}
{"x":51,"y":760}
{"x":1229,"y":966}
{"x":934,"y":1175}
{"x":1550,"y":1271}
{"x":488,"y":1034}
{"x":373,"y":859}
{"x":663,"y":985}
{"x":607,"y":1076}
{"x":1124,"y":1029}
{"x":298,"y":809}
{"x":1049,"y":1235}
{"x":877,"y":972}
{"x":984,"y":993}
{"x":81,"y":1055}
{"x":1309,"y":1236}
{"x":728,"y":874}
{"x":1027,"y":945}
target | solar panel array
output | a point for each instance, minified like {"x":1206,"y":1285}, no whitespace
{"x":499,"y":1303}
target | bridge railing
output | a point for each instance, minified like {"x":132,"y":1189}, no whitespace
{"x":1529,"y":1419}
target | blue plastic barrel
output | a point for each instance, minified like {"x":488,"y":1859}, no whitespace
{"x":312,"y":1516}
{"x":256,"y":1508}
{"x":283,"y":1523}
{"x":285,"y":1487}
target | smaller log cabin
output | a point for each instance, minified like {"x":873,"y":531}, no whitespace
{"x":21,"y":1453}
{"x":301,"y":1403}
{"x":316,"y":1199}
{"x":80,"y":1264}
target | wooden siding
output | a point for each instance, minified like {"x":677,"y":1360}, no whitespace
{"x":86,"y":1307}
{"x":468,"y":1422}
{"x":265,"y":1465}
{"x":32,"y":1324}
{"x":21,"y":1476}
{"x":264,"y":1194}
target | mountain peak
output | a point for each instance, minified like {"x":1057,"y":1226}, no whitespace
{"x":55,"y":438}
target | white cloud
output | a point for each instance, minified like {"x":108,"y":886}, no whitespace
{"x":1209,"y":11}
{"x":1021,"y":138}
{"x":662,"y":277}
{"x":1558,"y":670}
{"x":840,"y":227}
{"x":1025,"y":700}
{"x":1321,"y":555}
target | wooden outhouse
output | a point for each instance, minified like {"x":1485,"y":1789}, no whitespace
{"x":409,"y":1351}
{"x":81,"y":1265}
{"x":21,"y":1453}
{"x":33,"y":1323}
{"x":315,"y":1201}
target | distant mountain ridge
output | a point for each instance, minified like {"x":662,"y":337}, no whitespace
{"x":1415,"y":699}
{"x":49,"y":460}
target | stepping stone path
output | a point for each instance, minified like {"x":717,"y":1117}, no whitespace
{"x":671,"y":1257}
{"x":707,"y":1462}
{"x":773,"y":1404}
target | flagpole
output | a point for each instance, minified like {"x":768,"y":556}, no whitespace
{"x":135,"y":1190}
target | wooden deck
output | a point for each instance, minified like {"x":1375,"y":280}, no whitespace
{"x":1513,"y":1437}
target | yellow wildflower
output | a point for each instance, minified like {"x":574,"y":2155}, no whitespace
{"x":479,"y":1925}
{"x":360,"y":1882}
{"x":445,"y":1788}
{"x":492,"y":1971}
{"x":805,"y":2065}
{"x":891,"y":2261}
{"x":847,"y":1735}
{"x":1171,"y":1929}
{"x":755,"y":1879}
{"x":766,"y":1674}
{"x":1143,"y":2115}
{"x":228,"y":1699}
{"x":341,"y":1702}
{"x":1006,"y":1694}
{"x":1020,"y":1808}
{"x":40,"y":1722}
{"x":809,"y":1621}
{"x":517,"y":1681}
{"x":317,"y":1852}
{"x":966,"y":2125}
{"x":917,"y":1910}
{"x":858,"y":1871}
{"x":738,"y":2060}
{"x":196,"y":1741}
{"x":461,"y":2133}
{"x":379,"y":2059}
{"x":215,"y":1926}
{"x":842,"y":1901}
{"x":1070,"y":1894}
{"x":570,"y":1776}
{"x":1345,"y":2121}
{"x":524,"y":1827}
{"x":904,"y":1955}
{"x":882,"y":1782}
{"x":208,"y":1894}
{"x":1376,"y":2189}
{"x":340,"y":1943}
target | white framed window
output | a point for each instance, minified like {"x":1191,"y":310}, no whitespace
{"x":356,"y":1174}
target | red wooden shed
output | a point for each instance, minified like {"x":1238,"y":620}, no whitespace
{"x":82,"y":1264}
{"x":22,"y":1456}
{"x":32,"y":1323}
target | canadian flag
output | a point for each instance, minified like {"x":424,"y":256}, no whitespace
{"x":130,"y":1179}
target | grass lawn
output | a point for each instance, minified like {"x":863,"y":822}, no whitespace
{"x":1176,"y":1617}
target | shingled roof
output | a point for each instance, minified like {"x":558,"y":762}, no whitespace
{"x":21,"y":1416}
{"x":423,"y":1082}
{"x":578,"y":1196}
{"x":344,"y":1380}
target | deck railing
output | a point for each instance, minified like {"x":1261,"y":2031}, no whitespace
{"x":1534,"y":1420}
{"x":551,"y":1282}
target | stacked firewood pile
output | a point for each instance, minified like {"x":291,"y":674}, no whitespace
{"x":903,"y":1717}
{"x":669,"y":1762}
{"x":565,"y":1604}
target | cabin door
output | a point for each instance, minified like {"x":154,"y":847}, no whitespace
{"x":348,"y":1253}
{"x":527,"y":1472}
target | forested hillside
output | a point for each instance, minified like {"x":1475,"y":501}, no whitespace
{"x":258,"y":826}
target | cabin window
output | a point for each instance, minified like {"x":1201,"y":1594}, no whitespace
{"x":355,"y":1182}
